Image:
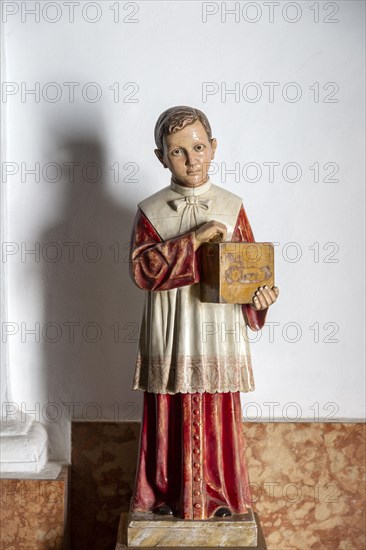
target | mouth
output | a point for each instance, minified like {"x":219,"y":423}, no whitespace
{"x":193,"y":173}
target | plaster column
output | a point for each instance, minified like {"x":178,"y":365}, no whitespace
{"x":23,"y":441}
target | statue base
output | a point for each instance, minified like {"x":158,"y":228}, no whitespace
{"x":150,"y":531}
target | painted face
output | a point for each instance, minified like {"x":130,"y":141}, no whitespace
{"x":188,"y":154}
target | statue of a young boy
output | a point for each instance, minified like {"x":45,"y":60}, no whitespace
{"x":191,"y":458}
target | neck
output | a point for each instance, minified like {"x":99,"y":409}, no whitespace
{"x":190,"y":191}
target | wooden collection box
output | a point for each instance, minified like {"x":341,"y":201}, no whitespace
{"x":232,"y":272}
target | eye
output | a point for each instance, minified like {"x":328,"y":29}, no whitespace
{"x":176,"y":152}
{"x":200,"y":147}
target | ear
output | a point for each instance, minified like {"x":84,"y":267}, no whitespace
{"x":214,"y":146}
{"x":160,"y":156}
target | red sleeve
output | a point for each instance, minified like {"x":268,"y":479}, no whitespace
{"x":161,"y":265}
{"x":243,"y":233}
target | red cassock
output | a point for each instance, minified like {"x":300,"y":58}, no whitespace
{"x":192,"y":449}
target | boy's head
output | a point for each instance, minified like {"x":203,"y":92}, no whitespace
{"x":174,"y":119}
{"x":185,"y":145}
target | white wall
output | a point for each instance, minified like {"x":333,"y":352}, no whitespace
{"x":160,"y":60}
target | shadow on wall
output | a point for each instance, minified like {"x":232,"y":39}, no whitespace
{"x":92,"y":308}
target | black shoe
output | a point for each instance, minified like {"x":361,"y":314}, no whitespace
{"x":223,"y":513}
{"x":163,"y":510}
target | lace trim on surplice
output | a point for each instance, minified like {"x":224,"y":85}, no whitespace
{"x":187,"y":374}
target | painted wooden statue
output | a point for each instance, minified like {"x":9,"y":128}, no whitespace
{"x":191,"y":459}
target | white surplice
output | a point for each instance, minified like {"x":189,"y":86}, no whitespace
{"x":186,"y":345}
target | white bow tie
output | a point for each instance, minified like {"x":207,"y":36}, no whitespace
{"x":179,"y":204}
{"x":192,"y":209}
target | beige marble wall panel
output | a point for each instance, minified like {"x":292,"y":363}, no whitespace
{"x":307,"y":479}
{"x":33,"y":513}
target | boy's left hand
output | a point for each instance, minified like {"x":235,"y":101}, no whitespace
{"x":264,"y":297}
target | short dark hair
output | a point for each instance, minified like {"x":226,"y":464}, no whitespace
{"x":175,"y":119}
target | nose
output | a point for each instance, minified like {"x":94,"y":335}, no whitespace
{"x":190,"y":159}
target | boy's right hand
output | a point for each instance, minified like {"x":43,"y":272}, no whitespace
{"x":212,"y":230}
